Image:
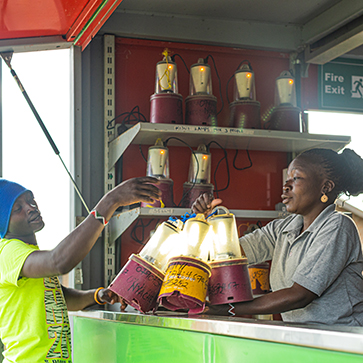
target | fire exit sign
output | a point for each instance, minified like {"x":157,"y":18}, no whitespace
{"x":341,"y":85}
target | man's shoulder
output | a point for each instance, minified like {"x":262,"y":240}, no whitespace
{"x":13,"y":244}
{"x":6,"y":241}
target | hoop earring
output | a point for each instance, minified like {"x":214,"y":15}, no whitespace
{"x":324,"y":198}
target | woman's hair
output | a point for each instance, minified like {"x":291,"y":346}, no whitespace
{"x":345,"y":169}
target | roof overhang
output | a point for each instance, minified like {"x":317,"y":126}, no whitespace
{"x":51,"y":24}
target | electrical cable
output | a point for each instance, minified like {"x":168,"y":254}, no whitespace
{"x":249,"y":158}
{"x":196,"y":159}
{"x":142,"y":153}
{"x":227,"y":87}
{"x":135,"y":113}
{"x":140,"y":224}
{"x":173,"y":59}
{"x":219,"y":81}
{"x":7,"y":59}
{"x":216,"y":169}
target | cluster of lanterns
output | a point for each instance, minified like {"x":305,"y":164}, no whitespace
{"x":198,"y":177}
{"x":184,"y":262}
{"x":166,"y":104}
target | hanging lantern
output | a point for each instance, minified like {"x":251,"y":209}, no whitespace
{"x":230,"y":281}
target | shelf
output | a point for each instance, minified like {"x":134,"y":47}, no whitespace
{"x":121,"y":221}
{"x":146,"y":133}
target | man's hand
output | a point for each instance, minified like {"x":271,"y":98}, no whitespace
{"x":205,"y":204}
{"x":136,"y":190}
{"x":79,"y":242}
{"x":106,"y":295}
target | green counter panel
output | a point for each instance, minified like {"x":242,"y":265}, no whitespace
{"x":100,"y":341}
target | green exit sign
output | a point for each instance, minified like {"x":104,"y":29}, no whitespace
{"x":341,"y":85}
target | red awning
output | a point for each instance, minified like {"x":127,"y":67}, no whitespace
{"x":65,"y":21}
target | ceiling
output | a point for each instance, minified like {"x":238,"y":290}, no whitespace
{"x":279,"y":12}
{"x":320,"y":29}
{"x":282,"y":25}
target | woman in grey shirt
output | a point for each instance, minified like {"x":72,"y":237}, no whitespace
{"x":317,"y":263}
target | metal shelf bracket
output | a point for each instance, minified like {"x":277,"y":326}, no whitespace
{"x":118,"y":146}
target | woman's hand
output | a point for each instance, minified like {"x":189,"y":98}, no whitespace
{"x":106,"y":295}
{"x":221,"y":310}
{"x":205,"y":204}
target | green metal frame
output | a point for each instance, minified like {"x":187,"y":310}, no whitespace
{"x":106,"y":341}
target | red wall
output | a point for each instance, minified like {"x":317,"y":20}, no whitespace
{"x":135,"y":72}
{"x":256,"y":188}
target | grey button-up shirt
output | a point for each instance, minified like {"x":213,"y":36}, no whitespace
{"x":325,"y":259}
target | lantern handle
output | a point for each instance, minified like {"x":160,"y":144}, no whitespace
{"x":215,"y":210}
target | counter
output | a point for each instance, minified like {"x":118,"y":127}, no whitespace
{"x":103,"y":336}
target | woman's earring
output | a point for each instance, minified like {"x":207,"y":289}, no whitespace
{"x":324,"y":198}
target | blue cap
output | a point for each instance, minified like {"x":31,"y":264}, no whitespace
{"x":9,"y":192}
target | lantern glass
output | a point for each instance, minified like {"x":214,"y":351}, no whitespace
{"x":157,"y":249}
{"x":244,"y":84}
{"x":158,"y":161}
{"x":225,"y":242}
{"x":166,"y":76}
{"x":196,"y":238}
{"x":200,"y":166}
{"x":285,"y":90}
{"x":200,"y":82}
